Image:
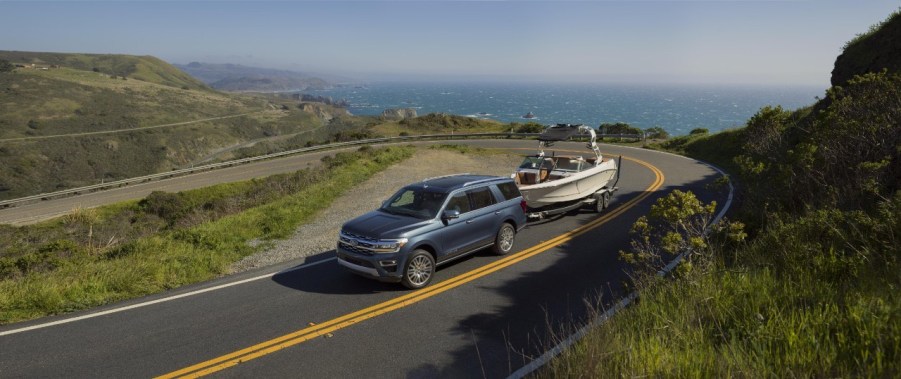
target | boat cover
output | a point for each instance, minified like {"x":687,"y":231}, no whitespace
{"x":559,"y":132}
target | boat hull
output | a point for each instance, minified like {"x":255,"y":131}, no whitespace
{"x":574,"y":187}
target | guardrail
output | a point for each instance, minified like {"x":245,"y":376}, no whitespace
{"x":187,"y":171}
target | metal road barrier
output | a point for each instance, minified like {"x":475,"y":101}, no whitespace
{"x":187,"y":171}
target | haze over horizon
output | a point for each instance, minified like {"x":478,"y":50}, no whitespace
{"x":714,"y":42}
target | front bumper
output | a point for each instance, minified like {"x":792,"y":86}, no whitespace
{"x":382,"y":267}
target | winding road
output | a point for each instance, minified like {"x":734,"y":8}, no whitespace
{"x":484,"y":316}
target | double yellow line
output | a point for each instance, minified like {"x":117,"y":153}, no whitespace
{"x":306,"y":334}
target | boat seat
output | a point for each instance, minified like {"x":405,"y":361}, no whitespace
{"x":543,"y":175}
{"x":526,"y":178}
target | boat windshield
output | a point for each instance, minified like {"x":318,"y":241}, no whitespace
{"x":415,"y":202}
{"x":569,"y":164}
{"x":537,"y":163}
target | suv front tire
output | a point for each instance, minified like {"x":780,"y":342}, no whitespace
{"x":419,"y":270}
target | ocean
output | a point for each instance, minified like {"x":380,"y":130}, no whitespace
{"x":676,"y":108}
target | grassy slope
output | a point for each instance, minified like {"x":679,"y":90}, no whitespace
{"x":145,"y":68}
{"x":75,"y":99}
{"x":127,"y":250}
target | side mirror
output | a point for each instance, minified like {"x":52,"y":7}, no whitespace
{"x":450,"y":215}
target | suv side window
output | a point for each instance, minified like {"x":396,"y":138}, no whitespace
{"x":509,"y":190}
{"x":481,"y":197}
{"x":459,"y":203}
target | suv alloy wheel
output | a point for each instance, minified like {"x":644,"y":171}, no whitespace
{"x":503,"y":243}
{"x":419,"y":270}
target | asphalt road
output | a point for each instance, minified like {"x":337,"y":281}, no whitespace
{"x":484,"y":316}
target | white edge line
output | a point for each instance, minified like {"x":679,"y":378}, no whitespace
{"x":579,"y":334}
{"x":163,"y":300}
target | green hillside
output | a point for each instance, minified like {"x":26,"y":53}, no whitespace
{"x":144,"y":116}
{"x":145,"y":68}
{"x":805,"y":283}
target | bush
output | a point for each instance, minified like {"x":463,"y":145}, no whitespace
{"x":656,"y":133}
{"x":5,"y":66}
{"x":618,"y":128}
{"x":529,"y":127}
{"x":678,"y":223}
{"x":844,"y":155}
{"x":168,"y":206}
{"x":699,"y":131}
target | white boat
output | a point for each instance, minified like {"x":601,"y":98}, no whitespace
{"x":550,"y":180}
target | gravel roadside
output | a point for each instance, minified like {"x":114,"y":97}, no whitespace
{"x":320,"y":234}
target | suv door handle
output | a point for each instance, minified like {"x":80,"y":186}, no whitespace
{"x":469,"y":221}
{"x":497,"y":212}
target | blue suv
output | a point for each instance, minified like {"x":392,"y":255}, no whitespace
{"x":432,"y":223}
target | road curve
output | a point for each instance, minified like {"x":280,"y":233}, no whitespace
{"x":484,"y":316}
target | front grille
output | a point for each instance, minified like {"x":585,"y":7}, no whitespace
{"x":356,"y":243}
{"x":354,"y":249}
{"x":357,"y":236}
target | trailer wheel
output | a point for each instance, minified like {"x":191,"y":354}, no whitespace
{"x":602,"y":201}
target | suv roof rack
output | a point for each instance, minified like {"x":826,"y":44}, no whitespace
{"x":481,"y":181}
{"x":444,"y":176}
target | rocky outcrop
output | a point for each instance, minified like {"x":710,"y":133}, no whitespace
{"x":321,"y":99}
{"x":324,"y":112}
{"x":399,"y":113}
{"x":873,"y":52}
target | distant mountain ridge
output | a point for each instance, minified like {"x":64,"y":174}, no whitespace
{"x":235,"y":77}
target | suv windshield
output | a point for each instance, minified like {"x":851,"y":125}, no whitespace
{"x":416,"y":202}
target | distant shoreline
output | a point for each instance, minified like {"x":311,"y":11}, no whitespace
{"x":676,"y":108}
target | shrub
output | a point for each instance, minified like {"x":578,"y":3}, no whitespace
{"x":844,"y":155}
{"x":5,"y":66}
{"x":618,"y":128}
{"x":168,"y":206}
{"x":678,"y":223}
{"x":656,"y":133}
{"x":529,"y":127}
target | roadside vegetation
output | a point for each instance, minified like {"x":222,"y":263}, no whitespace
{"x":437,"y":123}
{"x":97,"y":256}
{"x":806,"y":285}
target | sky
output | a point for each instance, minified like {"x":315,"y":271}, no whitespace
{"x":710,"y":42}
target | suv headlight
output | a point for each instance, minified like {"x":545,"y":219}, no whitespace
{"x":388,"y":246}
